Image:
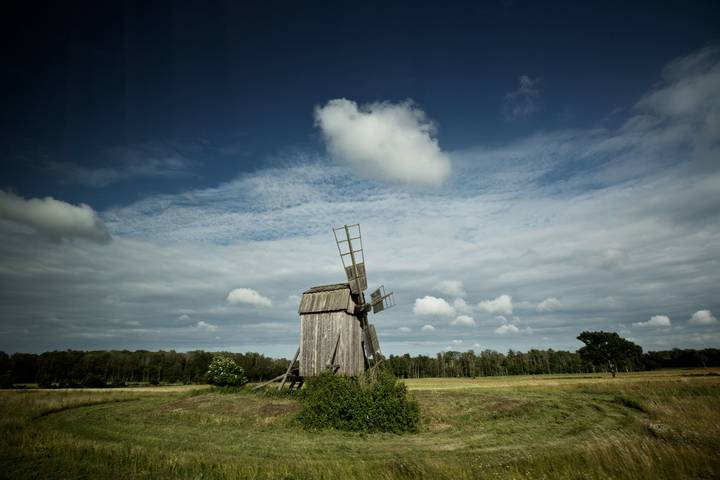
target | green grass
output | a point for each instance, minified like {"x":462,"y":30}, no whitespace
{"x":638,"y":426}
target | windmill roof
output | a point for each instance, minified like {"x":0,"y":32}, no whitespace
{"x":327,"y":298}
{"x":328,"y":288}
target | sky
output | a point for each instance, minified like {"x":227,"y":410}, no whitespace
{"x":170,"y":172}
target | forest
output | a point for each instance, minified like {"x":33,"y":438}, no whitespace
{"x":73,"y":368}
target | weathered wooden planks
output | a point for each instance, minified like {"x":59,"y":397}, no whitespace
{"x":320,"y":333}
{"x":327,"y":298}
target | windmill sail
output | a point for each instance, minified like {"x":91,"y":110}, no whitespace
{"x":349,"y":242}
{"x":380,"y":300}
{"x":359,"y":283}
{"x":372,"y":346}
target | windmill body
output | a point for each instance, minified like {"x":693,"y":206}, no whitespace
{"x":331,"y":335}
{"x":334,"y":330}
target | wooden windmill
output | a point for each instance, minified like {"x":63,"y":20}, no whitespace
{"x":334,"y":330}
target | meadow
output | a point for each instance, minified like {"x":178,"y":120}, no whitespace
{"x":649,"y":425}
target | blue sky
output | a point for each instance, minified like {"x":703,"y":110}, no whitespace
{"x":522,"y":172}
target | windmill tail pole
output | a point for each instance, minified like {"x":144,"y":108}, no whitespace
{"x":269,"y":381}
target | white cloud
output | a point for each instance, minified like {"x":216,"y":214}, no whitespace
{"x":464,"y":320}
{"x":123,"y":164}
{"x":655,"y":321}
{"x":687,"y":85}
{"x":184,"y":317}
{"x":248,"y":296}
{"x":522,"y":102}
{"x":453,"y":288}
{"x":502,"y":304}
{"x":203,"y":325}
{"x":427,"y":328}
{"x":476,"y":346}
{"x":457,"y":342}
{"x":507,"y":329}
{"x":702,"y":317}
{"x":433,"y":306}
{"x":462,"y":306}
{"x":550,"y":304}
{"x":404,"y":329}
{"x":53,"y":218}
{"x":384,"y":141}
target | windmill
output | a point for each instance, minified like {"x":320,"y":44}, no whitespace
{"x":334,"y":330}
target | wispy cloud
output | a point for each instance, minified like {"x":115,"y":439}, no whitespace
{"x":523,"y":101}
{"x":125,"y":163}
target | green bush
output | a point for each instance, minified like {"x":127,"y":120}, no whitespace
{"x":224,"y":372}
{"x":381,"y":405}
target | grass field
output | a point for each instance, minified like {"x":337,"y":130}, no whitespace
{"x":637,"y":426}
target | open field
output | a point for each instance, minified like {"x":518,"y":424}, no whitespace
{"x":644,"y":425}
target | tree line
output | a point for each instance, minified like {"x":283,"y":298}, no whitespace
{"x":73,"y":368}
{"x":534,"y":362}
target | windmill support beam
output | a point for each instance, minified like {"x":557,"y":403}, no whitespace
{"x":287,"y":372}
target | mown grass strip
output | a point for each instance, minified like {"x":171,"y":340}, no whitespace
{"x":72,"y":406}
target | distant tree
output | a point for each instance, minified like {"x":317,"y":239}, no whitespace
{"x":224,"y":371}
{"x":24,"y":367}
{"x":608,"y":349}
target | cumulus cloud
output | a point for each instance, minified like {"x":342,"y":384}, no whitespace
{"x":404,"y":329}
{"x":427,"y":328}
{"x":248,"y":296}
{"x":550,"y":304}
{"x":453,"y":288}
{"x":384,"y":141}
{"x":184,"y":317}
{"x":462,"y":306}
{"x":655,"y":321}
{"x":502,"y":304}
{"x":507,"y":329}
{"x":52,"y":218}
{"x":433,"y":306}
{"x":203,"y":325}
{"x":702,"y":317}
{"x":522,"y":102}
{"x":457,"y":342}
{"x":464,"y":321}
